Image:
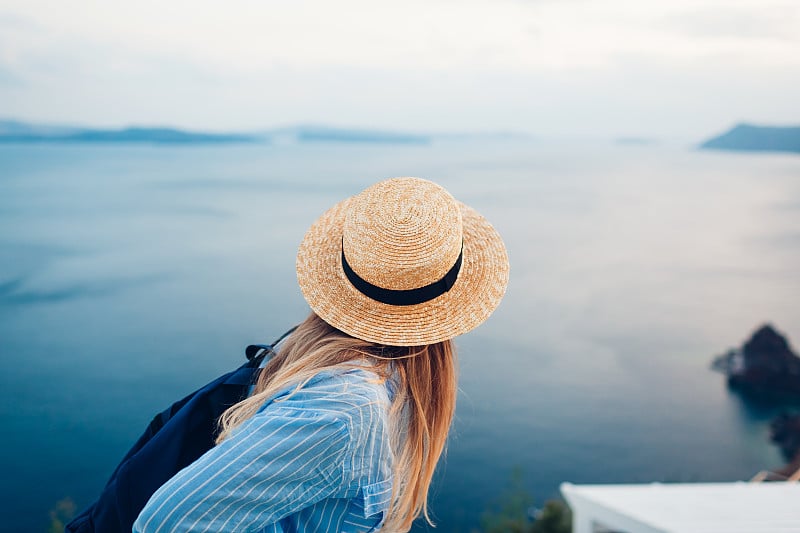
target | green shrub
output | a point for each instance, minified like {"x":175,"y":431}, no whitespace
{"x":514,"y":512}
{"x":61,"y":514}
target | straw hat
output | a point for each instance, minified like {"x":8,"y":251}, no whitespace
{"x":402,"y":263}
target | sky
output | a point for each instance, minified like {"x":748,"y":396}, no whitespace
{"x":605,"y":68}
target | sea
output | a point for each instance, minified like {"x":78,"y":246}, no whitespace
{"x":132,"y":274}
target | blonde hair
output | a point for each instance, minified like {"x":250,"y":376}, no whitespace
{"x":420,"y":414}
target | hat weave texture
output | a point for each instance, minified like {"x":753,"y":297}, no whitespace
{"x":402,"y":234}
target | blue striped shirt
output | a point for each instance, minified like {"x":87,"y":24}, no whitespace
{"x":318,"y":459}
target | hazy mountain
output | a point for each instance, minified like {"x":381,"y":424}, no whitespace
{"x":746,"y":137}
{"x":15,"y":127}
{"x":21,"y":132}
{"x":318,"y":133}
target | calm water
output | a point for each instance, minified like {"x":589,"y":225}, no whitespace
{"x":130,"y":275}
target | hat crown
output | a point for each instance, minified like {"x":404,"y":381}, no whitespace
{"x":403,"y":233}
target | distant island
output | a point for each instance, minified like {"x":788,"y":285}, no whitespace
{"x":21,"y":132}
{"x":747,"y":137}
{"x":330,"y":134}
{"x":13,"y":131}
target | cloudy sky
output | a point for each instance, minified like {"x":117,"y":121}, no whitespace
{"x":663,"y":68}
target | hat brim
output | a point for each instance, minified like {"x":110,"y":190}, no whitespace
{"x":476,"y":293}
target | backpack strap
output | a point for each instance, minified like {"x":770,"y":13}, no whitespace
{"x":256,"y":352}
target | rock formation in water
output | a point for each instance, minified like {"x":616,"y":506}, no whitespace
{"x":785,"y":432}
{"x":765,"y":367}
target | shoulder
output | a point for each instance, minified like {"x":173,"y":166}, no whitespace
{"x":355,"y":399}
{"x":346,"y":394}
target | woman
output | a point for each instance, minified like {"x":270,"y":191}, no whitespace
{"x":343,"y":430}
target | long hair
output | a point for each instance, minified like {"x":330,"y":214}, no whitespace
{"x":419,"y":416}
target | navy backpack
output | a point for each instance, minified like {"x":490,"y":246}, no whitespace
{"x":174,"y":439}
